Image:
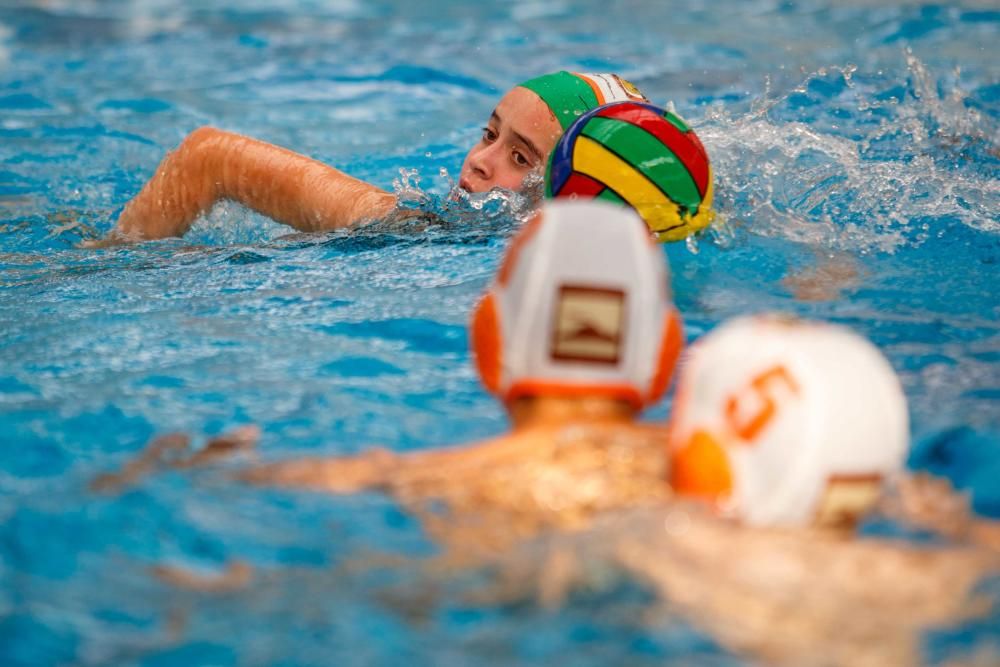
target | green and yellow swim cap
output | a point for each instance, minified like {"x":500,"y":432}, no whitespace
{"x":571,"y":94}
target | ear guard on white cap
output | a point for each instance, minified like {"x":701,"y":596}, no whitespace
{"x":787,"y":422}
{"x":580,"y":307}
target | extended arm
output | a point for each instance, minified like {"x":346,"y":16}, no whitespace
{"x":427,"y":471}
{"x":212,"y":164}
{"x":379,"y":468}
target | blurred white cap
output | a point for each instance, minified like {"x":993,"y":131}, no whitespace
{"x":580,"y":306}
{"x":787,"y":422}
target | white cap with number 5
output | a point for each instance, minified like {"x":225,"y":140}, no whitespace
{"x":787,"y":422}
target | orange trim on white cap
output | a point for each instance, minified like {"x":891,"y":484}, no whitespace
{"x":526,"y":233}
{"x":701,"y":468}
{"x":529,"y":387}
{"x":671,"y":343}
{"x":598,"y":93}
{"x":487,"y":343}
{"x":580,"y":307}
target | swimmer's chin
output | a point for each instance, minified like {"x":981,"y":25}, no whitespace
{"x":466,"y":187}
{"x":524,"y":198}
{"x":464,"y":191}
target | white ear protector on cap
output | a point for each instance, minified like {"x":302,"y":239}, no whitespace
{"x":580,"y":307}
{"x":787,"y":422}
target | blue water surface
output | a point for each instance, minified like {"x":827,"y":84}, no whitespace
{"x":855,"y":133}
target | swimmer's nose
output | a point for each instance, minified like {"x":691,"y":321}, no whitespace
{"x":483,"y":161}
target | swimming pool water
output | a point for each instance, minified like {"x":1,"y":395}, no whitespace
{"x":850,"y":140}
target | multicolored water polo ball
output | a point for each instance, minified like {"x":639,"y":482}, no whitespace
{"x":639,"y":155}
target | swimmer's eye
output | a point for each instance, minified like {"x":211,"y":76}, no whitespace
{"x":489,"y":136}
{"x":520,"y":159}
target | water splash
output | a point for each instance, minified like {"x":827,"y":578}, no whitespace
{"x":408,"y":191}
{"x":691,"y":243}
{"x":495,"y":212}
{"x":230,"y":223}
{"x":911,"y":167}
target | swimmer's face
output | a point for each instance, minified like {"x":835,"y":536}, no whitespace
{"x":516,"y":142}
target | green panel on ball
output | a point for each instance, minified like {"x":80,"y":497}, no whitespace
{"x":649,"y":156}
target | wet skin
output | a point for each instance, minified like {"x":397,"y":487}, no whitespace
{"x":211,"y":165}
{"x":516,"y":142}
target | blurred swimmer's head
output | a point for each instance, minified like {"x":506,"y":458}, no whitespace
{"x":780,"y":421}
{"x":580,"y":308}
{"x":527,"y":122}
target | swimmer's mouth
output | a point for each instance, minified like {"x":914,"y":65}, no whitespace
{"x":464,"y":184}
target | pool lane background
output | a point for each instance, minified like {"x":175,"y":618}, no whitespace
{"x":843,"y":133}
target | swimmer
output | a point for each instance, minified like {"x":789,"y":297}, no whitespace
{"x":575,"y":338}
{"x":783,"y":433}
{"x":212,"y":165}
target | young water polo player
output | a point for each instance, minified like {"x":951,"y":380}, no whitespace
{"x":211,"y":165}
{"x":777,"y":422}
{"x":787,"y":431}
{"x":575,"y":339}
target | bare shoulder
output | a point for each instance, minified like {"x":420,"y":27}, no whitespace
{"x":348,"y":474}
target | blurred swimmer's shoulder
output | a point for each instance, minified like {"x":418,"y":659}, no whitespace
{"x":573,"y":384}
{"x":519,"y":457}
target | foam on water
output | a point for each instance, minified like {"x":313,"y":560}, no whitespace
{"x":883,"y":181}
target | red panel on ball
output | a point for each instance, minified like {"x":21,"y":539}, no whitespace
{"x":581,"y":184}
